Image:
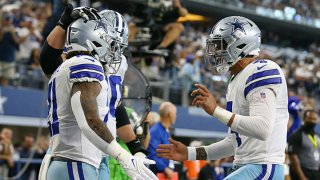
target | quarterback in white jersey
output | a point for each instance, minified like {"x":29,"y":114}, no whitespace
{"x":256,"y":111}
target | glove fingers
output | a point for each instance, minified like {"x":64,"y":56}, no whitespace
{"x":148,"y":161}
{"x":139,"y":177}
{"x":95,"y":12}
{"x":69,"y":8}
{"x":149,"y":174}
{"x":89,"y":14}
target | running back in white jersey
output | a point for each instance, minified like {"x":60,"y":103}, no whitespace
{"x":258,"y":75}
{"x":67,"y":139}
{"x":115,"y":94}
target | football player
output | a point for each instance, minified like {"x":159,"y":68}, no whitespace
{"x":117,"y":70}
{"x":51,"y":59}
{"x":257,"y":102}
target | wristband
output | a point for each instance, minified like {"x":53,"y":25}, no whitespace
{"x":222,"y":115}
{"x":135,"y":146}
{"x":192,"y":153}
{"x":114,"y":149}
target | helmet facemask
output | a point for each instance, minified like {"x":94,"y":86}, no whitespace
{"x":114,"y":61}
{"x":216,"y":55}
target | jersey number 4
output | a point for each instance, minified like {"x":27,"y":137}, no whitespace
{"x":238,"y":139}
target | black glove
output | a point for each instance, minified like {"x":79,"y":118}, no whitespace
{"x":66,"y":19}
{"x":85,"y":12}
{"x":69,"y":15}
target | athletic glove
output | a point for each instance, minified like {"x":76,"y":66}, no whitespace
{"x":134,"y":166}
{"x":69,"y":15}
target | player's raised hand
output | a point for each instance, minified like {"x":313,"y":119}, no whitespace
{"x":86,"y":13}
{"x":134,"y":166}
{"x":175,"y":151}
{"x":204,"y":99}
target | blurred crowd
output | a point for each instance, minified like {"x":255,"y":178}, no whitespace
{"x":22,"y":23}
{"x":14,"y":156}
{"x":299,"y":11}
{"x":307,"y":8}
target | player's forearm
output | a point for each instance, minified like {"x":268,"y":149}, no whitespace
{"x":259,"y":124}
{"x":214,"y":151}
{"x":89,"y":105}
{"x":57,"y":38}
{"x":97,"y":133}
{"x":125,"y":133}
{"x":294,"y":160}
{"x":256,"y":127}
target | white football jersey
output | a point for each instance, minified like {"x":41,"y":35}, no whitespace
{"x":115,"y":94}
{"x":67,"y":139}
{"x":259,"y":75}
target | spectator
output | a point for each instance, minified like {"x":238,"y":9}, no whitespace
{"x":305,"y":76}
{"x":8,"y":42}
{"x":6,"y":151}
{"x":294,"y":107}
{"x":159,"y":135}
{"x":167,"y":18}
{"x":212,"y":171}
{"x":27,"y":28}
{"x":187,"y":74}
{"x":151,"y":119}
{"x":42,"y":147}
{"x":304,"y":149}
{"x":25,"y":152}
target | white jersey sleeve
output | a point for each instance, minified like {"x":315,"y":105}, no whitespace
{"x":85,"y":69}
{"x":263,"y":74}
{"x":221,"y":149}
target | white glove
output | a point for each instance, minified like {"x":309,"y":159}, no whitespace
{"x":133,"y":166}
{"x":145,"y":162}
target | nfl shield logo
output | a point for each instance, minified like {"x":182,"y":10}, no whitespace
{"x":263,"y":95}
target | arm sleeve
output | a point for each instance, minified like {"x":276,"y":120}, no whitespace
{"x":121,"y":116}
{"x":260,"y":122}
{"x":294,"y":143}
{"x":220,"y":149}
{"x":50,"y":58}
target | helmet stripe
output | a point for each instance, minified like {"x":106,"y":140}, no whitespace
{"x":122,"y":29}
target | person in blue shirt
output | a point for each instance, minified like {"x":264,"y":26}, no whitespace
{"x":294,"y":106}
{"x":159,"y":133}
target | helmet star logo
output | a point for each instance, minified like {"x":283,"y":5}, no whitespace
{"x":237,"y":25}
{"x":100,"y":25}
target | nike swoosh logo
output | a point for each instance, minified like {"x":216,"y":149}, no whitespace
{"x":133,"y":162}
{"x":261,"y":67}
